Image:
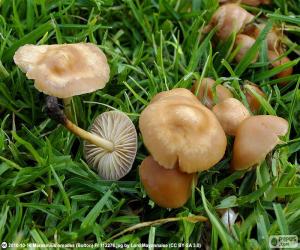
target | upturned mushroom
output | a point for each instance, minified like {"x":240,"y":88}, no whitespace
{"x":252,"y":100}
{"x":72,"y":69}
{"x":255,"y":138}
{"x":168,"y":188}
{"x":64,"y":70}
{"x":229,"y":18}
{"x":178,"y":129}
{"x":243,"y":43}
{"x":230,"y":113}
{"x":205,"y":90}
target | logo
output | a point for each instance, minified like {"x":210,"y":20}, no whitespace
{"x":283,"y":241}
{"x":4,"y":245}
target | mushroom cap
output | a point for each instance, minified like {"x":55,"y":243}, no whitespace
{"x":205,"y":93}
{"x":168,"y":188}
{"x":253,"y":102}
{"x":255,"y":138}
{"x":116,"y":127}
{"x":245,"y":43}
{"x":64,"y":70}
{"x":230,"y":113}
{"x":179,"y":129}
{"x":248,"y":2}
{"x":229,"y":18}
{"x":272,"y":56}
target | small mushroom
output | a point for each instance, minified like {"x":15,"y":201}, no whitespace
{"x":253,"y":102}
{"x":64,"y":70}
{"x":244,"y":43}
{"x":111,"y":145}
{"x":255,"y":138}
{"x":273,"y":58}
{"x":178,"y":129}
{"x":230,"y":113}
{"x":229,"y":18}
{"x":206,"y":93}
{"x":248,"y":2}
{"x":168,"y":188}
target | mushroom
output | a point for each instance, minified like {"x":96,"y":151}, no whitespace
{"x":255,"y":138}
{"x":248,"y":2}
{"x":64,"y":70}
{"x":229,"y":18}
{"x":68,"y":70}
{"x":206,"y":93}
{"x":244,"y":43}
{"x":230,"y":113}
{"x":168,"y":188}
{"x":111,"y":145}
{"x":273,"y":58}
{"x":178,"y":129}
{"x":253,"y":102}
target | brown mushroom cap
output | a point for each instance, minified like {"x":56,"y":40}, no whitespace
{"x":116,"y":127}
{"x":255,"y":138}
{"x":168,"y":188}
{"x":179,"y":129}
{"x":229,"y":18}
{"x":253,"y":102}
{"x":205,"y":93}
{"x":272,"y":56}
{"x":230,"y":113}
{"x":64,"y":70}
{"x":245,"y":43}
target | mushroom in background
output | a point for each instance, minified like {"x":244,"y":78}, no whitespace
{"x":248,"y":2}
{"x":206,"y":93}
{"x":255,"y":138}
{"x":168,"y":188}
{"x":273,"y":58}
{"x":244,"y":43}
{"x":64,"y":70}
{"x":229,"y":18}
{"x":253,"y":102}
{"x":230,"y":113}
{"x":73,"y":69}
{"x":178,"y":129}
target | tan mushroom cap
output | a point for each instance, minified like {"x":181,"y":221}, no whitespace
{"x":168,"y":188}
{"x":229,"y":18}
{"x":64,"y":70}
{"x":116,"y":127}
{"x":205,"y":93}
{"x":253,"y":102}
{"x":272,"y":56}
{"x":179,"y":129}
{"x":248,"y":2}
{"x":245,"y":43}
{"x":255,"y":138}
{"x":230,"y":113}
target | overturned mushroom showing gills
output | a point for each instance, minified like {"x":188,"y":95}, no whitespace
{"x":111,"y":145}
{"x":206,"y":92}
{"x":255,"y":138}
{"x":168,"y":188}
{"x":230,"y":113}
{"x":178,"y":129}
{"x":114,"y":126}
{"x":229,"y":18}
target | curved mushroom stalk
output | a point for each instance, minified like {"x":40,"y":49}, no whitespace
{"x":111,"y":145}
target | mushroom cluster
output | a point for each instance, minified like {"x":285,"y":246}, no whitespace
{"x":231,"y":18}
{"x":63,"y":71}
{"x":182,"y":136}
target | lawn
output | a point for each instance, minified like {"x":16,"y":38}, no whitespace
{"x":49,"y":194}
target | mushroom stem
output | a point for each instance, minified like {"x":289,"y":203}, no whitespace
{"x":68,"y":107}
{"x":58,"y":115}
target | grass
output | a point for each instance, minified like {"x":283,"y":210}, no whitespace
{"x":48,"y":194}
